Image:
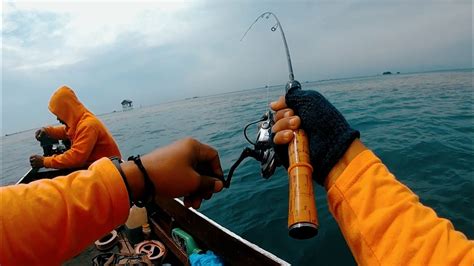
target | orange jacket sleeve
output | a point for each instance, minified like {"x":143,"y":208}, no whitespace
{"x":383,"y":221}
{"x":57,"y":132}
{"x":82,"y":146}
{"x":49,"y":221}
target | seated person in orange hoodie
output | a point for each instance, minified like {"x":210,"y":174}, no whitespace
{"x":90,"y":138}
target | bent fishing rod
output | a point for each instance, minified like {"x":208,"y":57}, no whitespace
{"x":302,"y":214}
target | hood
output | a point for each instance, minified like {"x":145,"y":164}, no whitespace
{"x":65,"y":105}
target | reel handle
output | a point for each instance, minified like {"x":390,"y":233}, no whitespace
{"x":302,"y":215}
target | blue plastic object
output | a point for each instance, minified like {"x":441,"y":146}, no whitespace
{"x":205,"y":259}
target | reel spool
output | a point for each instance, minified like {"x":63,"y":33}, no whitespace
{"x":155,"y":250}
{"x":107,"y":242}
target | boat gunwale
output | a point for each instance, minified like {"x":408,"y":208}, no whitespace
{"x":237,"y":237}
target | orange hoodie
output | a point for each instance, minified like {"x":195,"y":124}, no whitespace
{"x":49,"y":221}
{"x":90,"y":138}
{"x":382,"y":220}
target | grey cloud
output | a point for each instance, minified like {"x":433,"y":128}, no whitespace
{"x":326,"y":39}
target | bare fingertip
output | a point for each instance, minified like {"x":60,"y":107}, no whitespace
{"x":197,"y":204}
{"x":218,"y":186}
{"x":288,"y":135}
{"x":294,"y":121}
{"x":274,"y":129}
{"x":272,"y":104}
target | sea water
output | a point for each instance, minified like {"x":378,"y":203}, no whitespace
{"x":420,"y":125}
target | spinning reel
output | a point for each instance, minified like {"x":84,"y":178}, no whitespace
{"x":52,"y":146}
{"x":262,"y":151}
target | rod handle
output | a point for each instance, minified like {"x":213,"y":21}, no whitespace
{"x":302,"y":214}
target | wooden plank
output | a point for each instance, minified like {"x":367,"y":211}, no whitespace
{"x":169,"y":243}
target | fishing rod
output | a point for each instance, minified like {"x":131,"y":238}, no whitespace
{"x":302,"y":214}
{"x":267,"y":15}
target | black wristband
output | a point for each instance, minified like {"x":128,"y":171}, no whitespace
{"x":116,"y":161}
{"x":149,"y":189}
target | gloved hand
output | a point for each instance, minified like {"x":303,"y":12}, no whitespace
{"x":36,"y":161}
{"x":40,"y":133}
{"x":328,"y":132}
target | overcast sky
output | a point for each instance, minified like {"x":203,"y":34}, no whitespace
{"x":153,"y":52}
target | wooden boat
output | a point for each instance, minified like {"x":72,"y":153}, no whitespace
{"x":166,"y":214}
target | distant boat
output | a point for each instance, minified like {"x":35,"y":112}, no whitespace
{"x":387,"y":73}
{"x":127,"y":105}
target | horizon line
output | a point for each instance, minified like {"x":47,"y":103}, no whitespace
{"x":269,"y":86}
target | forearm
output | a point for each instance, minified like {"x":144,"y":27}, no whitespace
{"x":76,"y":157}
{"x":82,"y":147}
{"x":134,"y":179}
{"x":49,"y":221}
{"x":69,"y":159}
{"x":56,"y":132}
{"x":383,"y":221}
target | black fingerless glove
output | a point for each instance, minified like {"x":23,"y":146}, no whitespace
{"x":328,"y":132}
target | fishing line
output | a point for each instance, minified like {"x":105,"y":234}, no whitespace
{"x":267,"y":15}
{"x":267,"y":88}
{"x":276,"y":26}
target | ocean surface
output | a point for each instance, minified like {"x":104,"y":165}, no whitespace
{"x":420,"y":125}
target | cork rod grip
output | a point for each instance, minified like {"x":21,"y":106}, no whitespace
{"x":302,"y":215}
